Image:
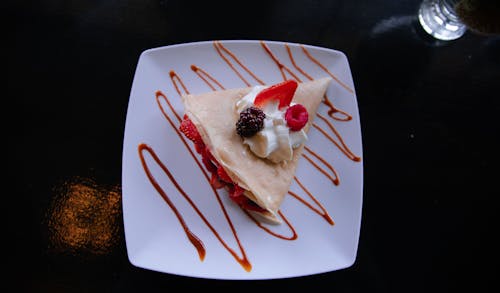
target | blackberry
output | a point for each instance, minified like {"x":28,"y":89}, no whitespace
{"x":251,"y":121}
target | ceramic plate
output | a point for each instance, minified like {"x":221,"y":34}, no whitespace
{"x":163,"y":186}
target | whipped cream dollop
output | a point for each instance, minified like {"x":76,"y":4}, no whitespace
{"x":275,"y":141}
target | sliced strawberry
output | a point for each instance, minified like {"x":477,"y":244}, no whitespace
{"x":215,"y":182}
{"x":200,"y":148}
{"x":223,"y":175}
{"x":236,"y":195}
{"x":189,"y":129}
{"x":282,"y":92}
{"x":209,"y":164}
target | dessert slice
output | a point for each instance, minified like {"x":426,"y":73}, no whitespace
{"x":251,"y":139}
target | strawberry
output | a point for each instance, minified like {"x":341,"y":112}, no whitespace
{"x":296,"y":117}
{"x":189,"y":129}
{"x":215,"y":182}
{"x":208,"y":164}
{"x":206,"y":158}
{"x":282,"y":92}
{"x":236,"y":194}
{"x":223,"y":175}
{"x":200,"y":148}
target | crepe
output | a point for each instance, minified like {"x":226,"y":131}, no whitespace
{"x":266,"y":183}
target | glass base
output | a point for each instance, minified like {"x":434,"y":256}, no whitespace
{"x":438,"y":19}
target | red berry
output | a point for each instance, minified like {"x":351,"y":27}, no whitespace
{"x":215,"y":182}
{"x":223,"y":175}
{"x":200,"y":148}
{"x":208,"y":164}
{"x":189,"y":129}
{"x":236,"y":194}
{"x":296,"y":117}
{"x":282,"y":92}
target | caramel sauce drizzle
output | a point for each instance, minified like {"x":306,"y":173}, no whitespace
{"x":205,"y":76}
{"x":321,"y":211}
{"x":341,"y":144}
{"x":197,"y":243}
{"x":282,"y":67}
{"x":299,"y":69}
{"x":334,"y":178}
{"x":260,"y":225}
{"x":332,"y":110}
{"x":221,"y":50}
{"x":316,"y":61}
{"x":176,"y":80}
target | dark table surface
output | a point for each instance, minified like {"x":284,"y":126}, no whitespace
{"x":429,"y":114}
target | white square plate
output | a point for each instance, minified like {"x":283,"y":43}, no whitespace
{"x":154,"y":235}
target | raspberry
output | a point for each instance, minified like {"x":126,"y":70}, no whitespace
{"x":296,"y":117}
{"x":251,"y":121}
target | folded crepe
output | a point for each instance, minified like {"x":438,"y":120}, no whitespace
{"x":214,"y":115}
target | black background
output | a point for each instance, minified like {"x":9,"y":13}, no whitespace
{"x":429,"y":113}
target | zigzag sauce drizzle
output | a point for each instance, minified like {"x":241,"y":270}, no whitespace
{"x":332,"y":109}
